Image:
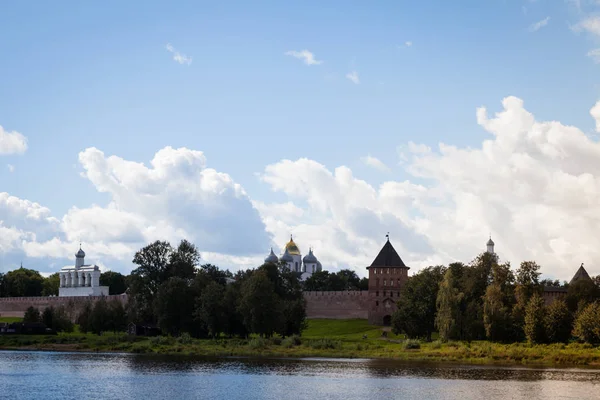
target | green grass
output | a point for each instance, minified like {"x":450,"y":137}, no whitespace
{"x":10,"y":319}
{"x":322,"y":338}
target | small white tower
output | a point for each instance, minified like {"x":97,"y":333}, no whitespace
{"x":490,"y":246}
{"x":79,"y":258}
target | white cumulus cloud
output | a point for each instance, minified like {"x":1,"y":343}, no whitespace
{"x":12,"y":142}
{"x":353,"y":77}
{"x":306,"y":56}
{"x":177,"y":56}
{"x":533,"y":184}
{"x":374,"y":162}
{"x":539,"y":24}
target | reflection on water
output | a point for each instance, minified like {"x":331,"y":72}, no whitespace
{"x":46,"y":375}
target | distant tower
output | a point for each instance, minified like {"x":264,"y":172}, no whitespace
{"x":79,"y":258}
{"x":490,"y":246}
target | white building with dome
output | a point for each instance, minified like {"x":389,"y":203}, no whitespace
{"x":292,"y":257}
{"x":81,"y":279}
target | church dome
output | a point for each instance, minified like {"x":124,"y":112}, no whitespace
{"x":319,"y":266}
{"x":490,"y":242}
{"x":287,"y":257}
{"x":292,"y":248}
{"x":80,"y":253}
{"x":272,"y":258}
{"x":310,"y":258}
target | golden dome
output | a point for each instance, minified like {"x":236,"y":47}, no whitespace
{"x":292,"y":248}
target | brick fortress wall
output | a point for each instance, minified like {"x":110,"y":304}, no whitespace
{"x":337,"y":305}
{"x":16,"y":306}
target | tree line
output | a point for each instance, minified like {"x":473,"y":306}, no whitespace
{"x":487,"y":300}
{"x":168,"y":289}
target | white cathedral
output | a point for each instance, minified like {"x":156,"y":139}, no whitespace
{"x":81,"y":279}
{"x":294,"y":261}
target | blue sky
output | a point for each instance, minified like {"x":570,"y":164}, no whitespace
{"x":75,"y":76}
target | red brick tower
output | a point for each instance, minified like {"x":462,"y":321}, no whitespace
{"x":387,"y":275}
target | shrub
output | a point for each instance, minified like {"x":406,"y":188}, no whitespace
{"x":411,"y":344}
{"x":534,"y":320}
{"x":160,"y":340}
{"x":184,"y":338}
{"x":587,"y":324}
{"x":257,"y":343}
{"x":436,"y":344}
{"x":32,"y":314}
{"x":276,"y":341}
{"x":558,"y":322}
{"x":291,"y":341}
{"x":325,"y":344}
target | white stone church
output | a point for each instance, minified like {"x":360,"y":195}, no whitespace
{"x":292,"y":257}
{"x":81,"y":279}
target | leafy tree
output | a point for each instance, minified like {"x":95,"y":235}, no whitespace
{"x":234,"y":320}
{"x":174,"y":306}
{"x":116,"y":282}
{"x":117,"y":317}
{"x":448,"y":306}
{"x":23,"y":282}
{"x":213,"y":273}
{"x":535,"y":314}
{"x":100,"y":317}
{"x":61,"y":322}
{"x":48,"y":316}
{"x":50,"y":285}
{"x":498,"y":301}
{"x":183,"y":261}
{"x":210,"y":309}
{"x":259,"y":304}
{"x":550,"y":283}
{"x":581,"y":293}
{"x":84,"y":319}
{"x":587,"y":324}
{"x":294,"y":317}
{"x":558,"y":322}
{"x":416,"y":311}
{"x":32,"y":314}
{"x":153,"y":263}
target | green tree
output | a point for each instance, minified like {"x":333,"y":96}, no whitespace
{"x":61,"y":322}
{"x":100,"y":317}
{"x":48,"y":316}
{"x":294,"y":317}
{"x":416,"y":311}
{"x":23,"y":282}
{"x":535,"y":317}
{"x":153,"y":264}
{"x":117,"y":317}
{"x":587,"y":324}
{"x":84,"y":319}
{"x":581,"y":293}
{"x":210,"y":309}
{"x":448,"y":306}
{"x":116,"y":282}
{"x":498,"y":302}
{"x":174,"y":306}
{"x":50,"y":285}
{"x":183,"y":261}
{"x":259,"y":304}
{"x":32,"y":314}
{"x":558,"y":322}
{"x":233,"y":325}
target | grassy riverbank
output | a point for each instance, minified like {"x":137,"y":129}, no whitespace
{"x":323,"y":338}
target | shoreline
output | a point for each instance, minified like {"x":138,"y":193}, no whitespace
{"x":221,"y":349}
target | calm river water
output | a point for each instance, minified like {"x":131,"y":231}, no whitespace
{"x":47,"y":375}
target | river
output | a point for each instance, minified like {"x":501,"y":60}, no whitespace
{"x":49,"y":376}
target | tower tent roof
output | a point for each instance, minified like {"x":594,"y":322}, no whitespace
{"x":580,"y":274}
{"x":388,"y":257}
